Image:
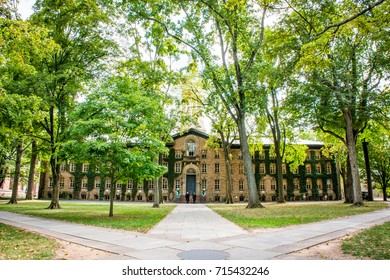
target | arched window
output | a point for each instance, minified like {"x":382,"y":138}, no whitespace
{"x":191,"y":171}
{"x":272,"y":168}
{"x":328,"y":168}
{"x":191,"y":148}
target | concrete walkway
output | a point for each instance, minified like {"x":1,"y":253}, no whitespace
{"x":193,"y":231}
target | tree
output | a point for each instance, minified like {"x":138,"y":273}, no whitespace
{"x":116,"y":130}
{"x":17,"y":114}
{"x":8,"y":9}
{"x":78,"y":29}
{"x":149,"y":59}
{"x":237,"y":29}
{"x":342,"y":74}
{"x":224,"y":132}
{"x":378,"y":138}
{"x":228,"y":47}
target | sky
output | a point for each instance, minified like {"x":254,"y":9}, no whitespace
{"x":25,"y":8}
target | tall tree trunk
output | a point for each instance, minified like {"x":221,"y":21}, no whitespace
{"x":160,"y":191}
{"x":112,"y":194}
{"x":55,"y":172}
{"x":3,"y":170}
{"x":3,"y":175}
{"x":348,"y":188}
{"x":368,"y":170}
{"x":384,"y":185}
{"x":351,"y":145}
{"x":44,"y":180}
{"x":31,"y":175}
{"x":273,"y":121}
{"x":19,"y":153}
{"x":156,"y":193}
{"x":157,"y":187}
{"x":228,"y":170}
{"x":254,"y":201}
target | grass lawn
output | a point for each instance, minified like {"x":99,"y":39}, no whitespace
{"x":373,"y":243}
{"x":280,"y":215}
{"x":18,"y":244}
{"x":134,"y":217}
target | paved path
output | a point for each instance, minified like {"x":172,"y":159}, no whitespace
{"x":196,"y":232}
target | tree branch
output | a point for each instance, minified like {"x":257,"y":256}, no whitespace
{"x":337,"y":25}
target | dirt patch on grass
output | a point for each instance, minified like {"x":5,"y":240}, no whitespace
{"x":330,"y":250}
{"x":72,"y":251}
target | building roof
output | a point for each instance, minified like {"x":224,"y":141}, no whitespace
{"x":192,"y":131}
{"x":266,"y":141}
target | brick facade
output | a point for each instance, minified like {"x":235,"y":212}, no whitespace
{"x":195,"y":168}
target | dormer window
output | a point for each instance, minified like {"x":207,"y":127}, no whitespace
{"x":191,"y":148}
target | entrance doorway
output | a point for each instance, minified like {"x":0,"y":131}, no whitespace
{"x":191,"y":184}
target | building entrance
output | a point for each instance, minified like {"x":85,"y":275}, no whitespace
{"x":191,"y":184}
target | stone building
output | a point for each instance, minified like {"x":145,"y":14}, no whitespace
{"x":195,"y":168}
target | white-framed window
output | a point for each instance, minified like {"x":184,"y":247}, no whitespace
{"x":216,"y":184}
{"x":98,"y":182}
{"x":308,"y":154}
{"x":178,"y":167}
{"x":329,"y":184}
{"x":165,"y":183}
{"x":262,"y":184}
{"x":204,"y":168}
{"x":262,"y":155}
{"x":63,"y":167}
{"x":309,"y":183}
{"x":151,"y":184}
{"x":84,"y":183}
{"x":262,"y":168}
{"x":62,"y":182}
{"x":130,"y":184}
{"x":272,"y":168}
{"x":72,"y":166}
{"x":284,"y":169}
{"x":317,"y":154}
{"x":165,"y":164}
{"x":241,"y":185}
{"x":204,"y":184}
{"x":285,"y":184}
{"x":178,"y":154}
{"x":273,"y":184}
{"x":108,"y":183}
{"x":177,"y":184}
{"x":318,"y":168}
{"x":118,"y":186}
{"x":240,"y":169}
{"x":191,"y":148}
{"x":85,"y":167}
{"x":71,"y":183}
{"x":308,"y":168}
{"x":204,"y":154}
{"x":328,"y":168}
{"x":217,"y":154}
{"x":217,"y":168}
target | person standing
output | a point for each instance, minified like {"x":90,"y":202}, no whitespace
{"x":187,"y":197}
{"x":193,"y":197}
